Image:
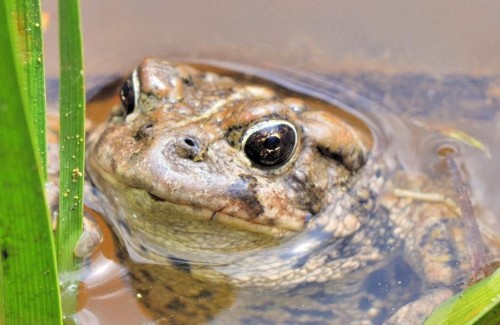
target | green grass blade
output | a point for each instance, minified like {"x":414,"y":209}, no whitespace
{"x":29,"y":291}
{"x":72,"y":144}
{"x":479,"y":304}
{"x":31,"y":48}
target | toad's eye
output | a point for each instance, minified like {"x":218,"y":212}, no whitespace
{"x":270,"y":144}
{"x":129,"y":94}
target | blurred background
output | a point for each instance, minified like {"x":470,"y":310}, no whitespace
{"x":431,"y":36}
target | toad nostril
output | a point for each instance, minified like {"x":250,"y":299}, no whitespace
{"x":190,"y":147}
{"x":190,"y":142}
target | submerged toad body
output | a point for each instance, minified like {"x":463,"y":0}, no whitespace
{"x":235,"y":182}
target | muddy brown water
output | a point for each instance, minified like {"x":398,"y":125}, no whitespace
{"x":417,"y":67}
{"x":414,"y":113}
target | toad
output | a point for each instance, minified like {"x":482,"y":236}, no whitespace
{"x":219,"y":184}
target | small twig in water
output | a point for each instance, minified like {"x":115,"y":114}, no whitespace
{"x":477,"y":250}
{"x":427,"y":197}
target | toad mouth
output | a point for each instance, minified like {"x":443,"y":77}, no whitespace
{"x":205,"y":212}
{"x":228,"y":220}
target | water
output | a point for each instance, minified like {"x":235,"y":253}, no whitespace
{"x":411,"y":117}
{"x":406,"y":35}
{"x":419,"y":67}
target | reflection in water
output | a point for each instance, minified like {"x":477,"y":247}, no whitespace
{"x":387,"y":266}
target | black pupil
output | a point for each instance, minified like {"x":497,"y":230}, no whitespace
{"x":127,"y":95}
{"x":271,"y":146}
{"x":272,"y":142}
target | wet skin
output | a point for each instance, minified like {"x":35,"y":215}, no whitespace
{"x":227,"y":183}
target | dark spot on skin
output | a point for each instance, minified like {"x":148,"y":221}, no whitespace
{"x":362,"y":200}
{"x":204,"y":293}
{"x":270,"y":222}
{"x":301,"y":262}
{"x":123,"y":225}
{"x":214,"y":214}
{"x":5,"y":254}
{"x":144,"y":132}
{"x":298,"y":290}
{"x":143,"y":248}
{"x":309,"y":196}
{"x":321,"y":297}
{"x":121,"y":254}
{"x":234,"y":135}
{"x":181,"y":264}
{"x":437,"y":235}
{"x":175,"y":305}
{"x":188,"y":81}
{"x":332,"y":155}
{"x":454,"y":263}
{"x":146,"y":275}
{"x":244,"y":190}
{"x":133,"y":277}
{"x":345,"y":249}
{"x":156,"y":198}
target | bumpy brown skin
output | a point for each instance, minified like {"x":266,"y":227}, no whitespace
{"x":180,"y":187}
